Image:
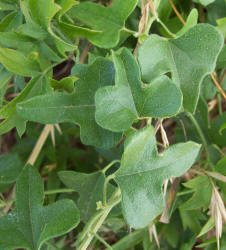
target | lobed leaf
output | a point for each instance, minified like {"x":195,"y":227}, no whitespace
{"x":188,"y":58}
{"x":31,"y":224}
{"x":117,"y":107}
{"x":107,"y":20}
{"x":78,"y":107}
{"x":143,"y":172}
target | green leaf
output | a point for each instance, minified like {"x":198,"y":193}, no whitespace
{"x":8,"y":112}
{"x":203,"y":2}
{"x":223,"y":127}
{"x":207,"y":227}
{"x":221,"y":61}
{"x":130,"y":240}
{"x":190,"y":22}
{"x":191,"y":219}
{"x":216,"y":133}
{"x":17,"y":63}
{"x":117,"y":107}
{"x":110,"y":20}
{"x":31,"y":224}
{"x":5,"y":77}
{"x":189,"y":58}
{"x":67,"y":83}
{"x":207,"y":243}
{"x":143,"y":172}
{"x":11,"y":21}
{"x":78,"y":107}
{"x":90,"y":189}
{"x":10,"y":168}
{"x":221,"y":25}
{"x":42,"y":13}
{"x":202,"y":189}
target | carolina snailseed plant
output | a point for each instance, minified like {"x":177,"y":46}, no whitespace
{"x":113,"y":124}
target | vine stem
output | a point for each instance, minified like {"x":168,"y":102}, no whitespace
{"x":103,"y":241}
{"x":165,"y":28}
{"x":90,"y":232}
{"x":110,"y":165}
{"x":59,"y":191}
{"x":202,"y":137}
{"x":110,"y":177}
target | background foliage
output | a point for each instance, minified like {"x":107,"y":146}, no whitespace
{"x":113,"y":124}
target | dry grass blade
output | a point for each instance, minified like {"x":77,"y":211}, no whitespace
{"x":152,"y":231}
{"x":218,"y":212}
{"x":41,"y":140}
{"x":216,"y":175}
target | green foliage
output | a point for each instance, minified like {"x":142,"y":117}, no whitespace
{"x":31,"y":224}
{"x":88,"y":196}
{"x":189,"y":58}
{"x":141,"y":166}
{"x":118,"y":107}
{"x":108,"y":21}
{"x":78,"y":107}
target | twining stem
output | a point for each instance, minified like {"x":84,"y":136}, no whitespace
{"x":110,"y":165}
{"x":94,"y":225}
{"x":39,"y":144}
{"x":165,"y":28}
{"x":59,"y":191}
{"x":202,"y":137}
{"x":212,"y":75}
{"x":110,"y":177}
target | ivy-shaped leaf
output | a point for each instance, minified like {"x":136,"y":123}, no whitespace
{"x":78,"y":107}
{"x":189,"y":58}
{"x":202,"y":193}
{"x":117,"y":107}
{"x":90,"y":189}
{"x":143,"y":172}
{"x":31,"y":224}
{"x":109,"y":20}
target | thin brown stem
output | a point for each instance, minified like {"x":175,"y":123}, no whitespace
{"x":176,"y":12}
{"x":218,"y":86}
{"x":85,"y":53}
